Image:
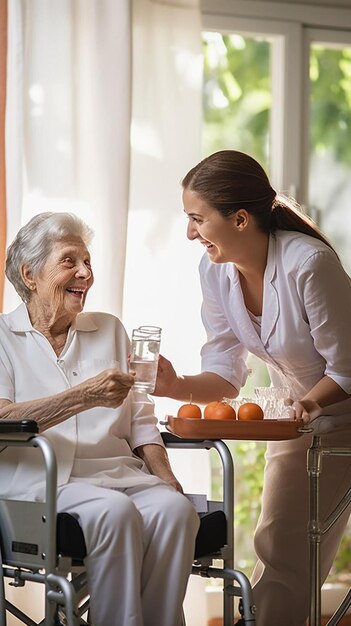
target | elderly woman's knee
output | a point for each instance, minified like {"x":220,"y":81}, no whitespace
{"x":118,"y":510}
{"x":180,"y":512}
{"x":115,"y":518}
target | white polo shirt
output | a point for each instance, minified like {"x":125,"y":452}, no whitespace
{"x":95,"y":445}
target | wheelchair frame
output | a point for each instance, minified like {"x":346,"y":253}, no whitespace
{"x":39,"y":561}
{"x":26,"y":560}
{"x":202,"y":567}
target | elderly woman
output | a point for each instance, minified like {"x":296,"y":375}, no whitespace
{"x":68,"y":371}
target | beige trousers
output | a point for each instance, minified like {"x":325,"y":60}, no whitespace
{"x":280,"y":578}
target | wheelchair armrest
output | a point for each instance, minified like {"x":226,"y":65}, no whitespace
{"x":17,"y":431}
{"x":18,"y":426}
{"x":173,"y":441}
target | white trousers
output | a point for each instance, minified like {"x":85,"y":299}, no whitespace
{"x":280,"y":578}
{"x":140,"y":548}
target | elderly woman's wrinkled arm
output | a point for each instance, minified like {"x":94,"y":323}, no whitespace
{"x":107,"y":389}
{"x":156,"y":460}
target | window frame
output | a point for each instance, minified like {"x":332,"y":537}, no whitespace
{"x":284,"y":140}
{"x":309,"y":14}
{"x":291,"y":38}
{"x":324,"y":36}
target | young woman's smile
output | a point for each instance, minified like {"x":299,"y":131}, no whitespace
{"x":216,"y":233}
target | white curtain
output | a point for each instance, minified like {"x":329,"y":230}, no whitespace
{"x":161,"y":281}
{"x":67,"y":140}
{"x":68,"y":126}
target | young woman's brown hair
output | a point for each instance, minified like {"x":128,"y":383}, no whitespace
{"x":229,"y":180}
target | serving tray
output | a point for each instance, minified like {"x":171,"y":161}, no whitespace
{"x":257,"y":430}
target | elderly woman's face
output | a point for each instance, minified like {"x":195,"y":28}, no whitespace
{"x":65,"y":279}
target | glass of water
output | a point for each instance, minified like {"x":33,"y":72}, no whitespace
{"x":145,"y":351}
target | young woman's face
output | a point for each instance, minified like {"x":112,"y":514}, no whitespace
{"x":218,"y":234}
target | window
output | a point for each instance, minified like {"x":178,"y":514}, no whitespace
{"x":281,"y":91}
{"x":329,"y":123}
{"x":237,"y":94}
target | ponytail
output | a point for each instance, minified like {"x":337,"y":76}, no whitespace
{"x":287,"y":215}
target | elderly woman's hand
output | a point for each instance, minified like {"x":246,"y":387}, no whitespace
{"x":109,"y":388}
{"x":156,"y":460}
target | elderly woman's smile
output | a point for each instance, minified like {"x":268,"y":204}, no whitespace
{"x":59,"y":289}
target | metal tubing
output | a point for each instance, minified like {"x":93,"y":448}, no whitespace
{"x":2,"y":595}
{"x":50,"y":525}
{"x":24,"y":575}
{"x":228,"y":501}
{"x":50,"y":499}
{"x":67,"y":597}
{"x":244,"y":591}
{"x":339,"y":509}
{"x":228,"y":490}
{"x":316,"y":529}
{"x":314,"y":462}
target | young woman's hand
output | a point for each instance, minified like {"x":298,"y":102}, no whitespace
{"x":306,"y":410}
{"x":167,"y":378}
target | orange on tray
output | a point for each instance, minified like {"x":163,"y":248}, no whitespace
{"x":189,"y":411}
{"x":250,"y":411}
{"x":219,"y":410}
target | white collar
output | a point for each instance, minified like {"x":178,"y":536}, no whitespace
{"x":18,"y":321}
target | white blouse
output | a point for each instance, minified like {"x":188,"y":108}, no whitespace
{"x":95,"y":445}
{"x":305,"y":326}
{"x":256,"y":322}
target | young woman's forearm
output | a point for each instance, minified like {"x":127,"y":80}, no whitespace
{"x":326,"y":392}
{"x":48,"y":411}
{"x":203,"y":388}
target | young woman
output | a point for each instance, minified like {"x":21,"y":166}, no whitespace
{"x":272,"y":286}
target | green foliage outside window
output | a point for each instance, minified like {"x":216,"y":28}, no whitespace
{"x":236,"y":95}
{"x":330,"y":76}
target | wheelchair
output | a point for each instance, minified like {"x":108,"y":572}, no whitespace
{"x":39,"y":545}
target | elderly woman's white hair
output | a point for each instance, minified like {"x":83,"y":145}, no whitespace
{"x":34,"y":241}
